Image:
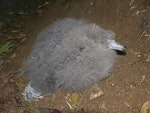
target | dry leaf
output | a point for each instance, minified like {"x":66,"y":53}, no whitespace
{"x":146,"y":107}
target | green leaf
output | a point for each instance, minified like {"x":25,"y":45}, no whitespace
{"x":5,"y":48}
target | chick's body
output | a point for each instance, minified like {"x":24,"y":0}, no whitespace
{"x":72,"y":54}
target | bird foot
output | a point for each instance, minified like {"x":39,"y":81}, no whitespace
{"x":30,"y":94}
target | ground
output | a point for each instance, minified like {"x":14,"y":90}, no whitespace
{"x":125,"y":90}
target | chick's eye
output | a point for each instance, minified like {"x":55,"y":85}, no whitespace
{"x":81,"y":48}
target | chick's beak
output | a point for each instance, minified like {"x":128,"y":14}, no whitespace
{"x":112,"y":44}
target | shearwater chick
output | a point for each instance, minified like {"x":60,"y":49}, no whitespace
{"x":71,"y":54}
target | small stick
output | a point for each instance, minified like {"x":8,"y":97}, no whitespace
{"x":69,"y":105}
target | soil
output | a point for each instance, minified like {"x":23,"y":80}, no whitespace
{"x":125,"y":90}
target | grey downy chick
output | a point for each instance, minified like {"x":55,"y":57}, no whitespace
{"x":71,"y":54}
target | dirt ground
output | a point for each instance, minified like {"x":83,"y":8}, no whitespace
{"x":125,"y":90}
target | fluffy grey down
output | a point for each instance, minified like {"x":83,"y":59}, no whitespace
{"x":72,"y":54}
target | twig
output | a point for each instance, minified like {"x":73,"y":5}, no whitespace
{"x":6,"y":35}
{"x":69,"y":105}
{"x":138,"y":12}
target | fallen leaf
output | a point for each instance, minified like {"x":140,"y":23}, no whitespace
{"x":146,"y":107}
{"x":97,"y":92}
{"x":74,"y":98}
{"x":5,"y":48}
